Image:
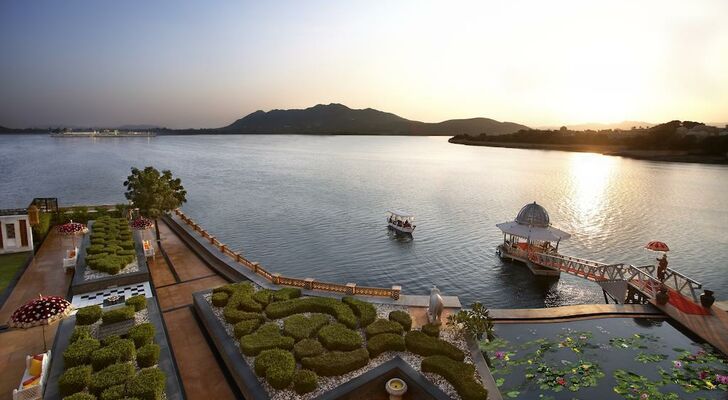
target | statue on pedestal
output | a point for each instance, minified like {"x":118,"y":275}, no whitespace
{"x":434,"y":310}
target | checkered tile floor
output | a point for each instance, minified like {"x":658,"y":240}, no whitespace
{"x":89,"y":299}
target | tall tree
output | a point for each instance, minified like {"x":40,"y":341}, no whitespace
{"x":154,"y":193}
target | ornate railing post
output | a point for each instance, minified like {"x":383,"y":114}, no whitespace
{"x":351,"y":288}
{"x":276,"y":278}
{"x":396,"y":289}
{"x":308,"y":283}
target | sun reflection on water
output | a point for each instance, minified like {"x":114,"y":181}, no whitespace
{"x":591,"y":175}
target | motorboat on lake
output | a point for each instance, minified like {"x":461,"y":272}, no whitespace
{"x":401,"y":222}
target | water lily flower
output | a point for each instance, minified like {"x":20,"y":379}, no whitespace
{"x":722,"y":379}
{"x":644,"y":396}
{"x":702,"y":375}
{"x":677,"y":364}
{"x":561,"y":381}
{"x":582,"y":337}
{"x":499,"y":355}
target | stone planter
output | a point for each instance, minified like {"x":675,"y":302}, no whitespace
{"x":707,"y":299}
{"x":396,"y":388}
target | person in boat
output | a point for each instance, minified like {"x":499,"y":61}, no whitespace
{"x":662,"y":267}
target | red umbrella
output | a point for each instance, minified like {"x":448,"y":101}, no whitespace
{"x":72,"y":229}
{"x":657,"y":246}
{"x":43,"y":310}
{"x":141,"y":224}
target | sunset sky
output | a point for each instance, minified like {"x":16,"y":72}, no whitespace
{"x":205,"y":64}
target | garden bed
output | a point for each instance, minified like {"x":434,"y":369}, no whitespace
{"x":268,"y":337}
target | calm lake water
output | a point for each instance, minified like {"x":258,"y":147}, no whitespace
{"x":313,"y":206}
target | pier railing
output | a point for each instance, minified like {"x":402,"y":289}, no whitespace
{"x":278,"y":279}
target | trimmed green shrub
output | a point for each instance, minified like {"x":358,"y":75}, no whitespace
{"x":74,"y":380}
{"x":109,"y":340}
{"x":431,"y":329}
{"x":113,"y":393}
{"x":233,"y":315}
{"x":139,"y":302}
{"x":336,"y":363}
{"x":80,"y":332}
{"x":307,"y":348}
{"x":148,"y":384}
{"x":116,"y":374}
{"x":263,"y":296}
{"x":338,"y":337}
{"x":104,"y":357}
{"x":141,"y":334}
{"x":382,"y":326}
{"x":79,"y":352}
{"x":125,"y":348}
{"x":230,"y":288}
{"x":266,"y":337}
{"x":277,"y":366}
{"x":459,"y":374}
{"x":147,"y":355}
{"x":324,"y":305}
{"x":220,"y":299}
{"x":245,"y":327}
{"x":300,"y":327}
{"x":95,"y":249}
{"x":305,"y":381}
{"x":403,"y":318}
{"x":118,"y":315}
{"x":80,"y":396}
{"x":286,"y":294}
{"x":385,"y":342}
{"x":88,"y":315}
{"x":242,"y":300}
{"x":424,"y":345}
{"x":366,"y":312}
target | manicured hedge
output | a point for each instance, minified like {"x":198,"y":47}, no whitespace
{"x":431,"y":329}
{"x":307,"y":348}
{"x":336,"y":363}
{"x":263,"y":296}
{"x":139,"y":302}
{"x":79,"y":352}
{"x":80,"y":332}
{"x":74,"y":380}
{"x":220,"y":299}
{"x":277,"y":366}
{"x":425,"y":345}
{"x":88,"y":315}
{"x":245,"y":327}
{"x":148,"y":384}
{"x":80,"y":396}
{"x":105,"y":356}
{"x":401,"y":317}
{"x":381,"y":326}
{"x":147,"y":355}
{"x":233,"y":315}
{"x":142,"y":334}
{"x":385,"y":342}
{"x":230,"y":288}
{"x":117,"y":392}
{"x":242,"y":300}
{"x":300,"y":327}
{"x":116,"y":374}
{"x":459,"y":374}
{"x":324,"y":305}
{"x":338,"y":337}
{"x":286,"y":294}
{"x":118,"y":315}
{"x":266,"y":337}
{"x":366,"y":312}
{"x":305,"y":381}
{"x":112,"y":247}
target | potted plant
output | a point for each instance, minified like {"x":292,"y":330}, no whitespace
{"x":707,"y":299}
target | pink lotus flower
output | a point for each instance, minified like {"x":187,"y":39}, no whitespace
{"x":644,"y":396}
{"x":703,"y":375}
{"x":561,"y":381}
{"x":499,"y":355}
{"x":677,"y":364}
{"x":722,"y":379}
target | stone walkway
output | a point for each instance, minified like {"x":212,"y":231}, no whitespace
{"x":46,"y":276}
{"x":174,"y":283}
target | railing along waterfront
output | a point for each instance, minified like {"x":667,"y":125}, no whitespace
{"x":278,"y":279}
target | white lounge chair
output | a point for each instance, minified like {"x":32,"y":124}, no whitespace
{"x":148,"y":248}
{"x":69,"y":262}
{"x":36,"y":391}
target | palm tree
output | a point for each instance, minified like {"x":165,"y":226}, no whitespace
{"x":154,"y":193}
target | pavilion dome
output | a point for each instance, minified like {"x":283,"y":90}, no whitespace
{"x":533,"y":215}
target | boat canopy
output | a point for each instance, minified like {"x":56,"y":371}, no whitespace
{"x":544,"y":234}
{"x":401,"y":214}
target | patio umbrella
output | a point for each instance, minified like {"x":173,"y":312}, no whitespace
{"x":72,"y":229}
{"x":43,"y":311}
{"x":141,"y":224}
{"x":657,"y":246}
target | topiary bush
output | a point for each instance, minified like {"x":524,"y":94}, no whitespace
{"x":425,"y":345}
{"x":401,"y":317}
{"x":324,"y":305}
{"x":277,"y":366}
{"x":116,"y":374}
{"x":385,"y":342}
{"x":147,"y":384}
{"x":220,"y":299}
{"x":338,"y":337}
{"x":74,"y":380}
{"x":141,"y":334}
{"x":431,"y":330}
{"x":233,"y":315}
{"x":307,"y":348}
{"x":88,"y":315}
{"x":117,"y":315}
{"x":266,"y":337}
{"x":113,"y":393}
{"x":139,"y":302}
{"x":336,"y":363}
{"x":79,"y":352}
{"x":147,"y":355}
{"x":242,"y":300}
{"x":80,"y":396}
{"x":125,"y":348}
{"x":104,"y":357}
{"x":305,"y":381}
{"x":366,"y":312}
{"x":263,"y":296}
{"x":286,"y":294}
{"x":459,"y":374}
{"x":80,"y":332}
{"x":245,"y":327}
{"x":300,"y":327}
{"x":381,"y":326}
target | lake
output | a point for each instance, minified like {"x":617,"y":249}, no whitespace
{"x":314,"y":206}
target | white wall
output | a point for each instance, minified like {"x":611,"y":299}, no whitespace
{"x":14,"y":245}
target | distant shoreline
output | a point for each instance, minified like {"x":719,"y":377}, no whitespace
{"x":608,"y":150}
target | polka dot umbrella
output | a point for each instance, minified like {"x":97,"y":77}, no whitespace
{"x":141,"y":224}
{"x":43,"y":310}
{"x":72,"y":229}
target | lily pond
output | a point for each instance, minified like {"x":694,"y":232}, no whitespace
{"x":613,"y":358}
